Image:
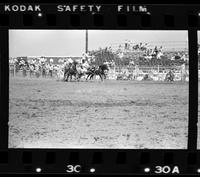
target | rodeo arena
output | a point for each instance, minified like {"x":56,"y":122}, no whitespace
{"x":126,"y":95}
{"x":129,"y":61}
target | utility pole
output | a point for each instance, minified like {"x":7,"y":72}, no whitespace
{"x":86,"y":41}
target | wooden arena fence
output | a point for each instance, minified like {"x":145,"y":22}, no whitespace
{"x":156,"y":73}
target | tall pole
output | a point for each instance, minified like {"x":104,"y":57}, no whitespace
{"x":86,"y":41}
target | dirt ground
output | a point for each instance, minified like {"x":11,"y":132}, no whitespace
{"x":45,"y":113}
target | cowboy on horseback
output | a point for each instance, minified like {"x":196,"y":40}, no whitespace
{"x":100,"y":71}
{"x":71,"y":69}
{"x":85,"y":65}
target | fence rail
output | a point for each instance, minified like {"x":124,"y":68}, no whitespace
{"x":124,"y":73}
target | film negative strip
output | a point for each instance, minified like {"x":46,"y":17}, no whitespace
{"x":91,"y":88}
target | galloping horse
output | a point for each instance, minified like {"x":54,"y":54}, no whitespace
{"x":100,"y":71}
{"x":74,"y":69}
{"x":69,"y":71}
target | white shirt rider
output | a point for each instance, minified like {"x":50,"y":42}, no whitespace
{"x":85,"y":65}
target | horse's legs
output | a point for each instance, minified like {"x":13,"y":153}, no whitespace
{"x":66,"y":73}
{"x":91,"y":76}
{"x":75,"y":77}
{"x":88,"y":76}
{"x":67,"y":79}
{"x":70,"y":77}
{"x":79,"y":76}
{"x":101,"y":77}
{"x":104,"y":75}
{"x":64,"y":77}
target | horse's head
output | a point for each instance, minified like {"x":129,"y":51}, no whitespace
{"x":104,"y":67}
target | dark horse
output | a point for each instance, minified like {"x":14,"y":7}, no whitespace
{"x":100,"y":71}
{"x":70,"y":70}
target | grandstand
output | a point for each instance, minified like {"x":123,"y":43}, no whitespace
{"x":168,"y":46}
{"x":168,"y":53}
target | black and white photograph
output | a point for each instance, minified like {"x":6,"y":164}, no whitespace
{"x":105,"y":89}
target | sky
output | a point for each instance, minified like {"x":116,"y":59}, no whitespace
{"x":72,"y":42}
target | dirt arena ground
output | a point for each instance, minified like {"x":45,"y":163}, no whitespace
{"x":45,"y":113}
